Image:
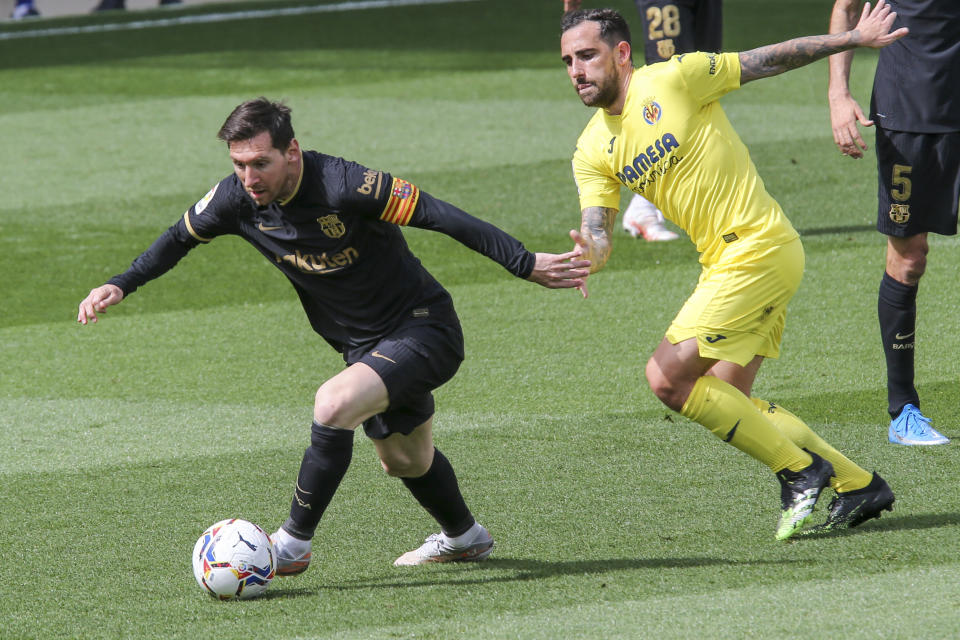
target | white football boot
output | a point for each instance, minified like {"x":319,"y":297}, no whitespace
{"x":475,"y":544}
{"x":642,"y":219}
{"x":293,"y":554}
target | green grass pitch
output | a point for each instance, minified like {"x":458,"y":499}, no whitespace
{"x":191,"y":401}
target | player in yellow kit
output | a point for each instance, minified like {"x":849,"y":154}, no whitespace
{"x":660,"y":132}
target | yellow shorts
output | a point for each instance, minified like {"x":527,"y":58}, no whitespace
{"x":739,"y":308}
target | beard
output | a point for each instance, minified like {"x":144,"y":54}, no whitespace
{"x":605,"y":93}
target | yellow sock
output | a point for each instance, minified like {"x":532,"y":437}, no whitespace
{"x":847,"y":475}
{"x":729,"y":415}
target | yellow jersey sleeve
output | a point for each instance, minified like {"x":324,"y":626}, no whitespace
{"x":709,"y":76}
{"x":595,"y":186}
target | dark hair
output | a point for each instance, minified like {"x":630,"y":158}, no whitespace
{"x":613,"y":28}
{"x":253,"y":117}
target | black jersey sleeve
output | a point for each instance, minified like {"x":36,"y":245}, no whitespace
{"x":481,"y":236}
{"x":211,"y":216}
{"x":163,"y":254}
{"x":377,"y":194}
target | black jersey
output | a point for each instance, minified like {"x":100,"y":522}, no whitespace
{"x":338,"y":241}
{"x":917,"y":82}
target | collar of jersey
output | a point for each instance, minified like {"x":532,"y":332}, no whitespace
{"x":299,"y":180}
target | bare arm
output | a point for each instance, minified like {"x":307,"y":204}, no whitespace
{"x":872,"y":30}
{"x":844,"y":110}
{"x":595,"y":237}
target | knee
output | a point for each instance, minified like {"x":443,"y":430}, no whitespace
{"x":668,"y":391}
{"x":400,"y":464}
{"x":909,"y":264}
{"x":332,"y":407}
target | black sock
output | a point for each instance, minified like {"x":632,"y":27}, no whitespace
{"x":438,"y":492}
{"x":897,"y":311}
{"x":324,"y":463}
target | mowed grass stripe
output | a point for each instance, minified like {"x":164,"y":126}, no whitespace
{"x":141,"y":156}
{"x":856,"y":609}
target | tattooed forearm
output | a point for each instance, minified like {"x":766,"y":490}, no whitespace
{"x":764,"y":62}
{"x":596,"y":227}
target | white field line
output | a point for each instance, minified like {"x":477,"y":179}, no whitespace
{"x":350,"y":5}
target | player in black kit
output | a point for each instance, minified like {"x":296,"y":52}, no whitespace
{"x":331,"y":226}
{"x":916,"y":108}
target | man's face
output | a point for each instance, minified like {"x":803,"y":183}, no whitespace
{"x":591,"y":64}
{"x":267,"y":173}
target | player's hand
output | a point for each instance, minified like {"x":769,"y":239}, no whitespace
{"x":97,"y":301}
{"x":845,"y":113}
{"x":571,"y":5}
{"x":874,"y":26}
{"x":560,"y":271}
{"x":580,"y":245}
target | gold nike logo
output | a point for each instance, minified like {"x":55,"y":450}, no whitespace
{"x":264,"y":228}
{"x":302,"y":503}
{"x":905,"y":336}
{"x":377,"y":354}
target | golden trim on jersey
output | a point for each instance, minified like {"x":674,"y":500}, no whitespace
{"x":299,"y":180}
{"x":403,"y":200}
{"x":186,"y":220}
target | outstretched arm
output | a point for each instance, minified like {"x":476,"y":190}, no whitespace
{"x":594,"y":238}
{"x":872,"y":30}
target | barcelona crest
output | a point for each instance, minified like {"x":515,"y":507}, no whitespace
{"x":900,"y":213}
{"x":331,"y":226}
{"x":402,"y":189}
{"x":651,"y":112}
{"x":665,"y":48}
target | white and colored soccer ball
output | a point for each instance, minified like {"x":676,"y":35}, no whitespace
{"x":234,"y":559}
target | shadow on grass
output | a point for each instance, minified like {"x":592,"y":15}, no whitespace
{"x":823,"y":231}
{"x":903,"y":523}
{"x":525,"y":570}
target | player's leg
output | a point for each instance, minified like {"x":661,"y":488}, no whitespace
{"x":341,"y":403}
{"x":642,"y":219}
{"x":675,"y":373}
{"x":861,"y":495}
{"x":918,"y":185}
{"x":897,"y":314}
{"x":847,"y":475}
{"x":413,"y":362}
{"x":24,"y":9}
{"x":430,"y":477}
{"x":736,"y":316}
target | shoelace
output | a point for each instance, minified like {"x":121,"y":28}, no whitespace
{"x":921,"y":422}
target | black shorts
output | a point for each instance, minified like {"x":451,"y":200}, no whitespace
{"x":918,"y":182}
{"x":680,"y":26}
{"x":418,"y":357}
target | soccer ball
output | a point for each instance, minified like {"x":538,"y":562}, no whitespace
{"x":234,"y":559}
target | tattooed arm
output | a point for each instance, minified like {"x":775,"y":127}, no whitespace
{"x":873,"y":30}
{"x":594,"y":238}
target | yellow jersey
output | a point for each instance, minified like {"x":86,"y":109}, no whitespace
{"x":674,"y":146}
